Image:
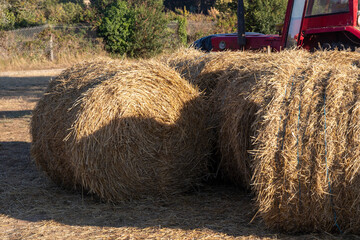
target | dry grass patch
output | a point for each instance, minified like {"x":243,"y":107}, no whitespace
{"x":18,"y":63}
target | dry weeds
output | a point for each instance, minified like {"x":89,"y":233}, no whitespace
{"x":20,"y":63}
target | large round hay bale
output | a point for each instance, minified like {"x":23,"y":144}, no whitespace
{"x":140,"y":131}
{"x":52,"y":120}
{"x":307,"y":147}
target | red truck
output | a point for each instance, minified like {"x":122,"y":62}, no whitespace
{"x":310,"y":24}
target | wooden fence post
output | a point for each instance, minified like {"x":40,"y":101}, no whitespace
{"x":51,"y":45}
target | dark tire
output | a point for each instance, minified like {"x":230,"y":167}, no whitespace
{"x":336,"y":46}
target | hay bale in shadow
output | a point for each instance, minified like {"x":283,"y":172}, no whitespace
{"x":52,"y":119}
{"x":133,"y":130}
{"x":212,"y":73}
{"x":306,"y":154}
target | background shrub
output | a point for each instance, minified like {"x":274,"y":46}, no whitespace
{"x":27,"y":13}
{"x":260,"y":15}
{"x":7,"y":18}
{"x":135,"y":28}
{"x":150,"y":28}
{"x":181,"y":31}
{"x":117,"y":27}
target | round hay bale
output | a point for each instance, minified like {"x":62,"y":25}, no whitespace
{"x":141,"y":132}
{"x":234,"y":112}
{"x":51,"y":120}
{"x":307,"y":146}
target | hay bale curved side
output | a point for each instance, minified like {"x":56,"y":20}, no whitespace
{"x":234,"y":110}
{"x":306,"y":167}
{"x":52,"y":120}
{"x":141,"y":133}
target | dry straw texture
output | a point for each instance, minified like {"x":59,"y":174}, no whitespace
{"x":132,"y":130}
{"x":203,"y":69}
{"x":306,"y":158}
{"x":234,"y":112}
{"x":227,"y":78}
{"x":188,"y":62}
{"x":191,"y":64}
{"x":51,"y":120}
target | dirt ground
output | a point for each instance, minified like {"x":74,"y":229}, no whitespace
{"x":32,"y":207}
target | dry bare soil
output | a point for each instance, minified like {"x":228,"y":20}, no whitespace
{"x":32,"y":207}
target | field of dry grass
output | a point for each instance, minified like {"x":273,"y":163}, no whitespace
{"x":32,"y":207}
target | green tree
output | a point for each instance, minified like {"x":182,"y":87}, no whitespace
{"x":263,"y":15}
{"x":117,"y":27}
{"x":55,"y":13}
{"x":181,"y":30}
{"x":74,"y":12}
{"x":7,"y":18}
{"x":27,"y":13}
{"x":101,"y":5}
{"x":260,"y":15}
{"x":150,"y":28}
{"x":135,"y":28}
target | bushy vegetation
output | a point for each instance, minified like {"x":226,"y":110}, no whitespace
{"x":7,"y":18}
{"x":19,"y":13}
{"x":117,"y":27}
{"x":69,"y":45}
{"x":260,"y":15}
{"x":136,"y":28}
{"x":181,"y":30}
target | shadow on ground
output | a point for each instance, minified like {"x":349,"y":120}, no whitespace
{"x":15,"y":114}
{"x":23,"y":86}
{"x":27,"y":194}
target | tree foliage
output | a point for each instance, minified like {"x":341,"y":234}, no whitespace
{"x":260,"y":15}
{"x":7,"y":18}
{"x":150,"y":28}
{"x":101,"y":5}
{"x":19,"y":13}
{"x":135,"y":28}
{"x":181,"y":30}
{"x":117,"y":27}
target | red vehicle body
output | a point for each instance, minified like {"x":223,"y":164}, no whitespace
{"x":309,"y":24}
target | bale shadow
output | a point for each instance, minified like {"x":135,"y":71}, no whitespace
{"x":28,"y":195}
{"x":24,"y":86}
{"x":15,"y":114}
